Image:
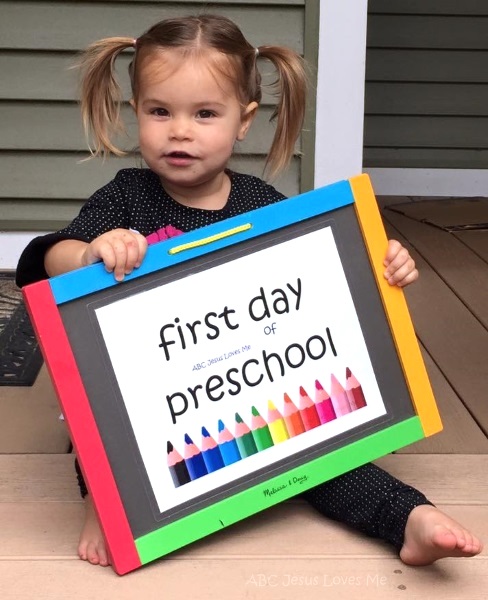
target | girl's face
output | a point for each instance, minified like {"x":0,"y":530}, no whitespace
{"x":189,"y":118}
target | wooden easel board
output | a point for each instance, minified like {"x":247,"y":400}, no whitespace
{"x":240,"y":365}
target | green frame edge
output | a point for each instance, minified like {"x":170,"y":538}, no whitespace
{"x":212,"y":518}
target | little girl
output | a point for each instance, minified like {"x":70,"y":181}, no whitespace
{"x":195,"y":92}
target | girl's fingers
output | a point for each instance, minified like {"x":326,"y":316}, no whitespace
{"x":400,"y":266}
{"x":393,"y":248}
{"x":129,"y":249}
{"x":401,"y":260}
{"x":120,"y":254}
{"x":120,"y":250}
{"x":404,"y":277}
{"x":142,"y":248}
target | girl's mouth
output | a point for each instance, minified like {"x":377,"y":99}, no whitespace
{"x":178,"y":154}
{"x":179,"y":159}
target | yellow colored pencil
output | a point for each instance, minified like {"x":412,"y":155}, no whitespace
{"x":276,"y":424}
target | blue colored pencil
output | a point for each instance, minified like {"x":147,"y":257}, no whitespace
{"x":228,"y":445}
{"x":211,"y":452}
{"x":194,"y":459}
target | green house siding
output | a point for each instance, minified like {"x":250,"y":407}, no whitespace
{"x":426,"y":101}
{"x":44,"y":179}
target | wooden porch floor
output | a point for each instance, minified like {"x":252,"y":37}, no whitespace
{"x":287,"y":551}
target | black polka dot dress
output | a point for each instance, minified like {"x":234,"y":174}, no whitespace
{"x":135,"y":199}
{"x":367,"y":498}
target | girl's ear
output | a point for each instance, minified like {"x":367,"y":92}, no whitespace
{"x":246,"y":120}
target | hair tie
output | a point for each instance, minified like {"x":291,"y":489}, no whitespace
{"x":134,"y":42}
{"x":256,"y":52}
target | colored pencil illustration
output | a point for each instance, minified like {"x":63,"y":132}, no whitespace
{"x":339,"y":397}
{"x":354,"y":391}
{"x":177,"y":466}
{"x":260,"y":431}
{"x":211,"y":452}
{"x":291,"y":415}
{"x":194,"y":459}
{"x":323,"y":403}
{"x":308,"y":411}
{"x":228,"y":445}
{"x":244,"y":439}
{"x":276,"y":424}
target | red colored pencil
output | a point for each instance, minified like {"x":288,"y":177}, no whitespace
{"x":308,"y":411}
{"x":293,"y":420}
{"x":323,"y":404}
{"x":339,"y":397}
{"x":354,"y":391}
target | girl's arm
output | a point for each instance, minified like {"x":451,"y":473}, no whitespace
{"x":120,"y":250}
{"x":400,"y":266}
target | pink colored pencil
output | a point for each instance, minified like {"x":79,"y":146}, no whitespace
{"x":354,"y":391}
{"x":339,"y":397}
{"x":323,"y":403}
{"x":308,"y":411}
{"x":293,"y":419}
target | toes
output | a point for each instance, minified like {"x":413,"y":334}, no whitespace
{"x":82,"y":551}
{"x":103,"y":559}
{"x":92,"y":554}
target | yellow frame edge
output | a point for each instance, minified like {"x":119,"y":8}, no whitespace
{"x":395,"y":306}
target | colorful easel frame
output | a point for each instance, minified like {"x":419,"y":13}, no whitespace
{"x":55,"y":305}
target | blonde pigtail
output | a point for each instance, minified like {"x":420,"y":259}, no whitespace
{"x":292,"y":83}
{"x":101,"y":95}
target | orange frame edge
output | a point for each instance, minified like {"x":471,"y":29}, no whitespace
{"x":395,"y":306}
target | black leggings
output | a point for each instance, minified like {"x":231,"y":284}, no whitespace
{"x":368,"y":499}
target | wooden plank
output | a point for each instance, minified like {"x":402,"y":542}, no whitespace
{"x":451,"y":334}
{"x":29,"y":419}
{"x":50,"y":76}
{"x":42,"y":76}
{"x":36,"y":209}
{"x":73,"y":25}
{"x":429,"y":7}
{"x":45,"y":530}
{"x":427,"y":31}
{"x":50,"y":175}
{"x":426,"y":132}
{"x":441,"y":158}
{"x":460,"y":432}
{"x":443,"y":478}
{"x":400,"y":98}
{"x":217,"y":2}
{"x":447,"y":212}
{"x":50,"y":477}
{"x":40,"y":529}
{"x":56,"y":126}
{"x":476,"y":240}
{"x":462,"y":270}
{"x":38,"y":478}
{"x":312,"y":577}
{"x":461,"y":66}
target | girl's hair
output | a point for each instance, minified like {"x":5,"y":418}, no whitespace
{"x":101,"y":95}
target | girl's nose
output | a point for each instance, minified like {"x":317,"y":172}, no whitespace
{"x":180,"y":128}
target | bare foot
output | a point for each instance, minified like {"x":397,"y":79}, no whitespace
{"x":430,"y":534}
{"x":91,"y":546}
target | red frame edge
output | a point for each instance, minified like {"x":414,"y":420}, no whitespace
{"x":83,"y":429}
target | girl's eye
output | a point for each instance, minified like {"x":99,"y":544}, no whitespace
{"x":159,"y":112}
{"x":205,"y":114}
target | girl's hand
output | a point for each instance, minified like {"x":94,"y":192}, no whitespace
{"x":120,"y":250}
{"x":400,"y":266}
